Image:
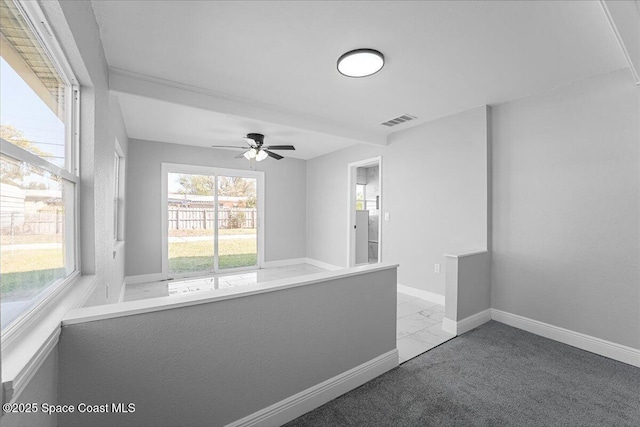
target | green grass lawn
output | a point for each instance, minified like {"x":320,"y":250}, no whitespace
{"x":24,"y":239}
{"x":24,"y":271}
{"x":198,"y":256}
{"x":209,"y":232}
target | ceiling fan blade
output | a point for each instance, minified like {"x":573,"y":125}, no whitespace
{"x":229,"y":146}
{"x":241,"y":155}
{"x":274,"y":155}
{"x":281,"y":147}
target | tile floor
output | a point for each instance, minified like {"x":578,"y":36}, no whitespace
{"x":419,"y":326}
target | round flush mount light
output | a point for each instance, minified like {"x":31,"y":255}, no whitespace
{"x":360,"y":63}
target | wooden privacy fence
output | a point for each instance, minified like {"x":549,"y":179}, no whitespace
{"x":204,"y":218}
{"x":46,"y":222}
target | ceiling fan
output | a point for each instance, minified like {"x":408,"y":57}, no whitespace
{"x":256,"y":150}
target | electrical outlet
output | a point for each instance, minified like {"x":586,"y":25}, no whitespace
{"x":387,"y":216}
{"x":436,"y":268}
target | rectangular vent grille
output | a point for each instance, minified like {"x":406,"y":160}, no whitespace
{"x":398,"y":120}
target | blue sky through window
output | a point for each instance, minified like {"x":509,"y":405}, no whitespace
{"x":21,"y":108}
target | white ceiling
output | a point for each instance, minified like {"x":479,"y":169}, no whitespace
{"x":442,"y":58}
{"x":156,"y":120}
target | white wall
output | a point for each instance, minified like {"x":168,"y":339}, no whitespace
{"x":108,"y":267}
{"x":216,"y":362}
{"x":566,"y":208}
{"x":119,"y":132}
{"x":285,"y":183}
{"x":434,"y":186}
{"x":100,"y":123}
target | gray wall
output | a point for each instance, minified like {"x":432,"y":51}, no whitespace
{"x":566,"y":200}
{"x":468,"y":285}
{"x":41,"y":389}
{"x":285,"y":216}
{"x":434,"y":186}
{"x":217,"y":362}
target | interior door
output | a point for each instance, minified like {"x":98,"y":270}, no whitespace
{"x":362,"y":237}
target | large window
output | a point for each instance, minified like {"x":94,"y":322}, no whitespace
{"x":212,"y":219}
{"x":38,"y":165}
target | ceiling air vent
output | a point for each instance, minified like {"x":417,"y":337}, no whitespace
{"x":398,"y":120}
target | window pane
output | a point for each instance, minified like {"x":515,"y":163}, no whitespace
{"x":36,"y":220}
{"x":191,"y":215}
{"x":32,"y":93}
{"x":237,"y":222}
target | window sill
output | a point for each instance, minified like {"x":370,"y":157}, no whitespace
{"x":25,"y":352}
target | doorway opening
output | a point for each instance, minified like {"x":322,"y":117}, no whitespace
{"x":364,"y":243}
{"x":212,"y":220}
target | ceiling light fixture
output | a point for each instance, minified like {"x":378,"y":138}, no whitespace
{"x":250,"y":154}
{"x":261,"y":155}
{"x":360,"y":63}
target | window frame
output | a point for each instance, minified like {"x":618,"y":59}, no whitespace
{"x":166,"y":168}
{"x":117,"y":160}
{"x":28,"y":320}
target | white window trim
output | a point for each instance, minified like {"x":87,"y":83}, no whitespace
{"x":209,"y":170}
{"x":119,"y":221}
{"x":32,"y":13}
{"x":116,"y":195}
{"x":38,"y":23}
{"x":29,"y":339}
{"x":21,"y":358}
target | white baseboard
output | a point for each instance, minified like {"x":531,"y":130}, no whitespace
{"x":450,"y":326}
{"x":419,"y":293}
{"x":283,"y":262}
{"x":595,"y":345}
{"x":143,"y":278}
{"x":313,"y":397}
{"x":466,"y":324}
{"x":322,"y":264}
{"x":473,"y":321}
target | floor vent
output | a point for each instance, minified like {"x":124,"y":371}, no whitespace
{"x":398,"y":120}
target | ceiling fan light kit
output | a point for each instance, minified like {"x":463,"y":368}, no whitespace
{"x":261,"y":155}
{"x":360,"y":63}
{"x":256,"y":150}
{"x":250,"y":154}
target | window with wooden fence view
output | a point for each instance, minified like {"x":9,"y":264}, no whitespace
{"x":38,"y":173}
{"x":206,"y":208}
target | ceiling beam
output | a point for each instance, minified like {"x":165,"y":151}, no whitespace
{"x":178,"y":93}
{"x":624,"y":18}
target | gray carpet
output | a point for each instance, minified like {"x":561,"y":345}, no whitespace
{"x":495,"y":375}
